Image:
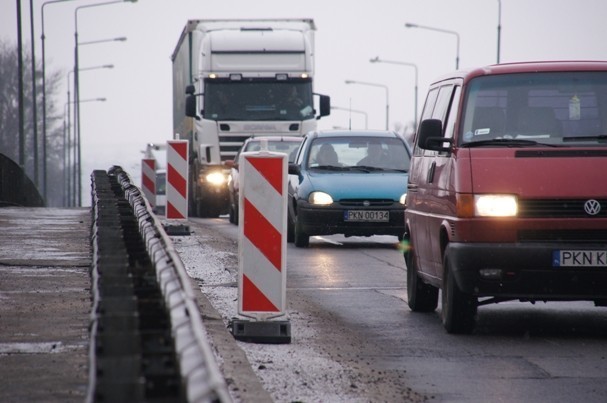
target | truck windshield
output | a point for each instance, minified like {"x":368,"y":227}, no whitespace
{"x":554,"y":108}
{"x":258,"y":100}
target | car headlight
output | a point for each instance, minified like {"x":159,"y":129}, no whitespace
{"x":495,"y":205}
{"x":320,"y":198}
{"x":403,"y":199}
{"x":216,"y":178}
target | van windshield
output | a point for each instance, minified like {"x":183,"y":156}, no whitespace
{"x":553,"y":108}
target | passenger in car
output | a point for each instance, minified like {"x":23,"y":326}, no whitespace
{"x":375,"y":156}
{"x":327,"y":155}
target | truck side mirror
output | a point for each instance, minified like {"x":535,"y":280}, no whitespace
{"x":190,"y":106}
{"x":190,"y":102}
{"x":325,"y":106}
{"x":431,"y":136}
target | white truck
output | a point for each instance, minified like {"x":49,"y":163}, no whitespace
{"x":234,"y":78}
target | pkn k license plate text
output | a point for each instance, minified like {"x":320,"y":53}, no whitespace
{"x":579,"y":258}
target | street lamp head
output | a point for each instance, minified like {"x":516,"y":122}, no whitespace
{"x":374,"y":60}
{"x":410,"y":25}
{"x":101,"y":99}
{"x":349,"y":82}
{"x":108,"y":66}
{"x":120,"y":39}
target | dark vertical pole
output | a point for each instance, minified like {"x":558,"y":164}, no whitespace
{"x":34,"y":103}
{"x":20,"y":89}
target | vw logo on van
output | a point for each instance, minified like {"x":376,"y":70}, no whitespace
{"x":592,"y":207}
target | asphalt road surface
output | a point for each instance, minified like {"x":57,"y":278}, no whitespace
{"x":354,"y":338}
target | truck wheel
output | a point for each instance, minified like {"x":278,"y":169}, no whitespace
{"x":458,"y":308}
{"x":301,"y":239}
{"x":421,"y":297}
{"x":233,"y":215}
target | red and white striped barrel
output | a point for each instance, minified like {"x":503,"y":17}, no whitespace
{"x":148,"y":180}
{"x":262,"y":234}
{"x":177,"y":179}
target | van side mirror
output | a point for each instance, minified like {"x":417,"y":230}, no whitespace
{"x":431,"y":136}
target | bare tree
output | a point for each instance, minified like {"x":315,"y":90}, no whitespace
{"x":9,"y":121}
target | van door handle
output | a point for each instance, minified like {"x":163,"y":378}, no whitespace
{"x":430,"y":177}
{"x":412,"y":187}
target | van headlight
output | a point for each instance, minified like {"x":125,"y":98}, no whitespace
{"x":495,"y":205}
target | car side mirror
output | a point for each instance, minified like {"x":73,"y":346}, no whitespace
{"x":431,"y":136}
{"x":294,"y":169}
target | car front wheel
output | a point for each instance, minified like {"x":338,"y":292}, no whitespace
{"x":300,"y":238}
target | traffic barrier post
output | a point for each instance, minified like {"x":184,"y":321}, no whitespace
{"x":262,"y":248}
{"x":148,"y":180}
{"x":177,"y":188}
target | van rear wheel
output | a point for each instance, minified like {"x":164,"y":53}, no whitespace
{"x":421,"y":297}
{"x":458,"y":308}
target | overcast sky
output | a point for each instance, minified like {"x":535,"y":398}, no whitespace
{"x":138,"y":90}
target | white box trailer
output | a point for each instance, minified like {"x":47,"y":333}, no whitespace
{"x":233,"y":79}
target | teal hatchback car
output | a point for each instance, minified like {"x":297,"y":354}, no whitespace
{"x":348,"y":182}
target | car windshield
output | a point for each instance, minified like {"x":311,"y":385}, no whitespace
{"x":550,"y":108}
{"x":258,"y":100}
{"x":359,"y":154}
{"x":280,"y":146}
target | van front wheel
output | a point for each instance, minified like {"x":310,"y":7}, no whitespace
{"x":421,"y":297}
{"x":458,"y":308}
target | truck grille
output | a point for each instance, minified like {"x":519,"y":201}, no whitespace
{"x":558,"y":208}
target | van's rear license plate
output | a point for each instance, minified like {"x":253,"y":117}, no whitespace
{"x":579,"y":258}
{"x":366,"y":216}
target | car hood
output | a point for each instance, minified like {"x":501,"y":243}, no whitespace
{"x":538,"y":172}
{"x":360,"y":185}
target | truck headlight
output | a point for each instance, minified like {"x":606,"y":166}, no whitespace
{"x":216,"y":178}
{"x":494,"y":205}
{"x":320,"y":198}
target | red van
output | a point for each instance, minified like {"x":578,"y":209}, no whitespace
{"x":507,"y":192}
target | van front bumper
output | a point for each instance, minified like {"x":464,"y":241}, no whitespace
{"x":526,"y":271}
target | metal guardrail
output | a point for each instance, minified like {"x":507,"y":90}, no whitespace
{"x":199,"y":376}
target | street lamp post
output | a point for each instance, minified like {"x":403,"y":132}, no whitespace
{"x":410,"y":25}
{"x":385,"y":87}
{"x":34,"y":103}
{"x":69,"y":184}
{"x":378,"y":60}
{"x":76,"y":83}
{"x":43,"y":38}
{"x":69,"y":102}
{"x":499,"y":29}
{"x":365,"y":114}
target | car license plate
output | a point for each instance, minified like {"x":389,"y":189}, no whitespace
{"x":579,"y":258}
{"x":366,"y":216}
